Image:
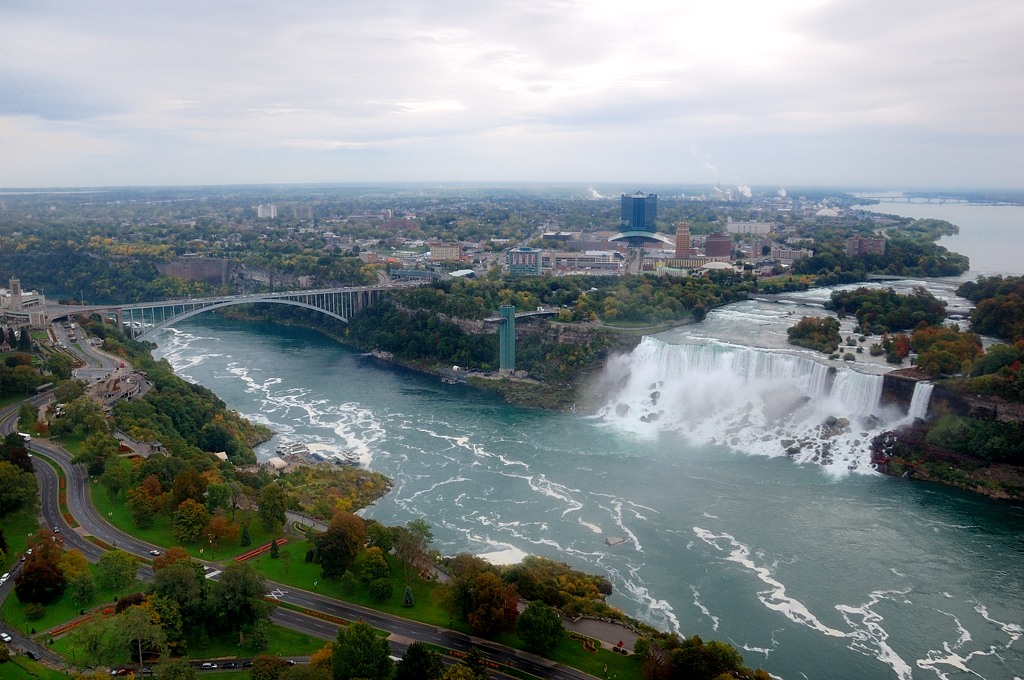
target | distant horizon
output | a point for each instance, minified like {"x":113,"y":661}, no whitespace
{"x":649,"y":187}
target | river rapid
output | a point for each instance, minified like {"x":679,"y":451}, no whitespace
{"x":810,"y":563}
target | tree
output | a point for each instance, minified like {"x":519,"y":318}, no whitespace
{"x":381,"y":590}
{"x":95,"y":450}
{"x":359,"y":653}
{"x":489,"y":611}
{"x":419,"y":663}
{"x":175,"y":554}
{"x":141,"y":629}
{"x":99,"y":642}
{"x":275,"y":551}
{"x":246,"y":538}
{"x":83,"y":588}
{"x":117,"y":475}
{"x":40,"y":580}
{"x":218,"y":496}
{"x":17,"y":488}
{"x":184,"y":582}
{"x":336,"y":548}
{"x":272,"y":506}
{"x":411,"y":544}
{"x":190,"y":519}
{"x":374,"y":565}
{"x":178,"y":669}
{"x":266,"y":667}
{"x":407,"y":599}
{"x":26,"y":417}
{"x":379,"y":536}
{"x":188,"y":484}
{"x":540,"y":627}
{"x":221,"y":530}
{"x":116,"y":569}
{"x":141,"y":508}
{"x":476,"y":662}
{"x":72,"y":563}
{"x":237,"y":598}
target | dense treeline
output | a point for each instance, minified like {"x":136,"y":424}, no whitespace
{"x":1000,"y":306}
{"x":816,"y":332}
{"x":883,"y":310}
{"x":187,"y":418}
{"x":625,"y":300}
{"x":909,"y":251}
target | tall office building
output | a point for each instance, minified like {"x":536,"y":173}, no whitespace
{"x":683,"y":241}
{"x":266,"y":212}
{"x":640,"y":211}
{"x":718,"y":245}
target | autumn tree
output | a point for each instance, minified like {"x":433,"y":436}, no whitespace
{"x":336,"y":548}
{"x":411,"y":543}
{"x":493,"y":605}
{"x":190,"y":519}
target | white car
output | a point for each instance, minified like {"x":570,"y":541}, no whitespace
{"x":5,"y":576}
{"x":5,"y":637}
{"x":154,"y":552}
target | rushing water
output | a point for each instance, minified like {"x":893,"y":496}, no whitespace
{"x":812,"y":570}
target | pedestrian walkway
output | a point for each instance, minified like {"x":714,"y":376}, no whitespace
{"x":609,"y":633}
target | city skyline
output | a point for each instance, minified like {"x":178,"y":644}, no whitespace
{"x":734,"y":94}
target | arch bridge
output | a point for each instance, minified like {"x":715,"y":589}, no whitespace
{"x":140,"y":319}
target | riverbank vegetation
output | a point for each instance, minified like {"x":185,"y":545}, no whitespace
{"x":973,"y":442}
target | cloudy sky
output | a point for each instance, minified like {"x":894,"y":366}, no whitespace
{"x":888,"y":94}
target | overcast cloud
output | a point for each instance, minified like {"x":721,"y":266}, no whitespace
{"x":904,"y":94}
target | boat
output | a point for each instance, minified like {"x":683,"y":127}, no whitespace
{"x":347,"y":457}
{"x":289,"y":448}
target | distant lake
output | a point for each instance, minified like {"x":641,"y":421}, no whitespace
{"x":991,"y":235}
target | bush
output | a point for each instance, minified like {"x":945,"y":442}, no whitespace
{"x":380,"y":590}
{"x":35,"y":611}
{"x":849,"y":356}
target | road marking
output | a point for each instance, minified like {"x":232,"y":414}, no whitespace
{"x":212,"y":574}
{"x":277,"y":593}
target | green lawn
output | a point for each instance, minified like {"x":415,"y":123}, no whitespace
{"x":24,"y":668}
{"x":301,"y":574}
{"x":18,"y":526}
{"x":283,"y":642}
{"x":161,"y":533}
{"x":61,"y":611}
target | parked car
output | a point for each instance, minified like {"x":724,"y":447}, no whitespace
{"x":32,"y":654}
{"x":229,"y":664}
{"x":208,"y":666}
{"x":5,"y":637}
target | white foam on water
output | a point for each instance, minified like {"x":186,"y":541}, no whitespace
{"x":704,"y":610}
{"x":870,"y":637}
{"x":775,"y":597}
{"x":508,"y":556}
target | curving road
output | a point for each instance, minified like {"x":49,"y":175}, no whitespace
{"x":403,"y":631}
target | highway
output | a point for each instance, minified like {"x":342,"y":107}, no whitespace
{"x":92,"y":523}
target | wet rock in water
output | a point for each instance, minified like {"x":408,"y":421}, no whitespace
{"x":621,"y":410}
{"x":654,"y":397}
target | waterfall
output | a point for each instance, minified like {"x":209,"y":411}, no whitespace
{"x":750,"y":400}
{"x":920,"y":401}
